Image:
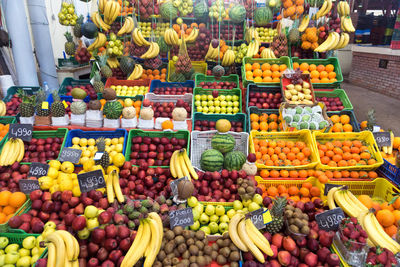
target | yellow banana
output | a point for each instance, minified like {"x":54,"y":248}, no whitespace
{"x":326,"y":44}
{"x":136,"y":251}
{"x":101,"y":22}
{"x":182,"y":164}
{"x":109,"y":189}
{"x":258,"y":239}
{"x":340,"y":199}
{"x":331,"y":200}
{"x":233,"y":232}
{"x":189,"y":165}
{"x":59,"y":244}
{"x":21,"y":150}
{"x":383,"y":234}
{"x":158,"y":220}
{"x":356,"y":202}
{"x":51,"y":252}
{"x":328,"y":8}
{"x":321,"y":10}
{"x":155,"y":243}
{"x":69,"y":244}
{"x":178,"y":166}
{"x":101,"y":5}
{"x":117,"y":187}
{"x":304,"y":23}
{"x":14,"y":152}
{"x":124,"y":28}
{"x":107,"y":10}
{"x":4,"y":152}
{"x":172,"y":165}
{"x":244,"y":236}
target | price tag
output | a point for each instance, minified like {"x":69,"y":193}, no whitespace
{"x":174,"y":185}
{"x":382,"y":139}
{"x":98,"y":155}
{"x":329,"y":187}
{"x":38,"y":169}
{"x":91,"y":181}
{"x":70,"y":154}
{"x":183,"y":217}
{"x":21,"y":131}
{"x":65,"y":104}
{"x":27,"y":185}
{"x":330,"y":220}
{"x":260,"y":217}
{"x":45,"y":105}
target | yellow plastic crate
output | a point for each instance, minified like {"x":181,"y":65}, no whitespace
{"x":302,"y":135}
{"x":198,"y":66}
{"x":266,"y":183}
{"x":366,"y":137}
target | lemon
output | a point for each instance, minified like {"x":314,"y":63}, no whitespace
{"x":114,"y":141}
{"x":83,"y":142}
{"x":45,"y":182}
{"x":119,"y":160}
{"x":75,"y":182}
{"x":66,"y":185}
{"x":75,"y":141}
{"x":74,"y":176}
{"x":121,"y":140}
{"x":86,"y":153}
{"x":107,"y":141}
{"x":88,"y":165}
{"x":67,"y":167}
{"x":52,"y":172}
{"x":91,"y":148}
{"x":108,"y":149}
{"x":119,"y":147}
{"x":55,"y":164}
{"x":54,"y":188}
{"x":128,"y":102}
{"x":91,"y":142}
{"x":113,"y":153}
{"x":83,"y":159}
{"x":112,"y":147}
{"x":76,"y":147}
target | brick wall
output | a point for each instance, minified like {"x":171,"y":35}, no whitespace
{"x":365,"y":72}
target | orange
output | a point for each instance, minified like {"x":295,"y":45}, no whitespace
{"x":258,"y":79}
{"x":275,"y":67}
{"x":267,"y":73}
{"x":386,"y":206}
{"x":4,"y":197}
{"x":293,"y":174}
{"x":307,"y":185}
{"x":391,"y":230}
{"x":312,"y":67}
{"x":293,"y":190}
{"x":265,"y":66}
{"x":263,"y":126}
{"x":315,"y":192}
{"x":254,"y":117}
{"x":282,"y":67}
{"x":365,"y":155}
{"x":272,"y":191}
{"x":325,"y":80}
{"x":396,"y":203}
{"x":366,"y":200}
{"x":17,"y":199}
{"x":276,"y":80}
{"x":257,"y":73}
{"x":385,"y":218}
{"x":8,"y":210}
{"x":344,"y":119}
{"x":274,"y":173}
{"x":304,"y":66}
{"x":396,"y":214}
{"x":372,"y":175}
{"x":323,"y":74}
{"x":255,"y":66}
{"x":332,"y":75}
{"x":303,"y":174}
{"x":273,"y":117}
{"x":255,"y":126}
{"x":329,"y":68}
{"x":282,"y":189}
{"x":304,"y":192}
{"x":276,"y":74}
{"x":314,"y":74}
{"x":2,"y":217}
{"x":347,"y":128}
{"x":264,"y":173}
{"x":315,"y":80}
{"x":320,"y":68}
{"x":296,"y":65}
{"x":376,"y":206}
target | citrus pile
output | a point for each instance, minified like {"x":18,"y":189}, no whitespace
{"x":265,"y":73}
{"x":341,"y":123}
{"x":3,"y":130}
{"x":307,"y":192}
{"x":323,"y":176}
{"x":155,"y":74}
{"x":265,"y":122}
{"x":319,"y":74}
{"x":9,"y":204}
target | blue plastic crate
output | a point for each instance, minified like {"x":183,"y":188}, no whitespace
{"x":390,"y":171}
{"x":159,"y":84}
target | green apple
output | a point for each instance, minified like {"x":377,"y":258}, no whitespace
{"x":197,"y":97}
{"x":235,"y":98}
{"x":231,"y":213}
{"x":2,"y":259}
{"x":228,"y":98}
{"x":217,"y":109}
{"x":246,"y":203}
{"x":245,"y":210}
{"x":11,"y":247}
{"x":199,"y":207}
{"x":204,"y":97}
{"x":34,"y":259}
{"x":211,"y":109}
{"x":222,"y":97}
{"x":197,"y":103}
{"x":92,"y":223}
{"x":237,"y":205}
{"x":253,"y":206}
{"x":196,"y":215}
{"x":223,"y":227}
{"x":199,"y":109}
{"x":24,"y":261}
{"x":217,"y":103}
{"x":24,"y":252}
{"x":38,"y":240}
{"x":12,"y":257}
{"x":214,"y":218}
{"x":213,"y":227}
{"x":210,"y":97}
{"x":229,"y":103}
{"x":219,"y":210}
{"x":204,"y":103}
{"x":210,"y":210}
{"x":3,"y":242}
{"x":229,"y":109}
{"x":29,"y":242}
{"x":195,"y":226}
{"x":35,"y":251}
{"x":257,"y":198}
{"x":235,"y":103}
{"x":204,"y":219}
{"x":224,"y":219}
{"x":192,"y":201}
{"x":175,"y":58}
{"x":84,"y":233}
{"x":50,"y":224}
{"x":205,"y":229}
{"x":223,"y":103}
{"x":223,"y":110}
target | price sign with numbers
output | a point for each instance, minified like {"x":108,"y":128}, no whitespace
{"x":21,"y":131}
{"x":382,"y":139}
{"x":70,"y":154}
{"x":27,"y":185}
{"x":183,"y":217}
{"x":38,"y":169}
{"x":174,"y":185}
{"x":91,"y":180}
{"x":260,"y":217}
{"x":329,"y":187}
{"x":330,"y":220}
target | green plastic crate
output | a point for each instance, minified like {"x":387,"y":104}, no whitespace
{"x":169,"y":134}
{"x":16,"y":237}
{"x":198,"y":91}
{"x":23,"y":209}
{"x":252,"y":87}
{"x":238,"y":117}
{"x":279,"y":61}
{"x":331,"y":60}
{"x":205,"y":78}
{"x":6,"y":120}
{"x":336,"y":93}
{"x":259,"y":111}
{"x":71,"y":81}
{"x":29,"y":90}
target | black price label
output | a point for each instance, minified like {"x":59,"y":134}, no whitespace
{"x":256,"y":218}
{"x":183,"y":217}
{"x":382,"y":139}
{"x":174,"y":185}
{"x":330,"y":220}
{"x":38,"y":169}
{"x":27,"y":185}
{"x":91,"y":180}
{"x":70,"y":154}
{"x":21,"y":131}
{"x":329,"y":187}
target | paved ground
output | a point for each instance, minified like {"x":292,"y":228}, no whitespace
{"x":387,"y":109}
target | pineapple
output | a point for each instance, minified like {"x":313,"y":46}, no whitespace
{"x":57,"y":109}
{"x":277,"y":215}
{"x":77,"y":27}
{"x":98,"y":85}
{"x":69,"y":46}
{"x":104,"y":68}
{"x":105,"y":158}
{"x":26,"y":108}
{"x":40,"y":98}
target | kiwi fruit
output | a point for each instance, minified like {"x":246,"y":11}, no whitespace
{"x":200,"y":235}
{"x":227,"y":242}
{"x":297,"y":210}
{"x":185,"y":262}
{"x":186,"y":255}
{"x":193,"y":264}
{"x":294,"y":228}
{"x":225,"y":235}
{"x":186,"y":234}
{"x":241,"y":191}
{"x":178,"y":230}
{"x":305,"y":217}
{"x":208,"y":259}
{"x":207,"y":250}
{"x":214,"y":255}
{"x":201,"y":260}
{"x":193,"y":250}
{"x":157,"y":264}
{"x":234,"y":264}
{"x":201,"y":253}
{"x":220,"y":243}
{"x":199,"y":244}
{"x":192,"y":234}
{"x":291,"y":221}
{"x":182,"y":248}
{"x":305,"y":230}
{"x":233,"y":247}
{"x":161,"y":255}
{"x":192,"y":259}
{"x":290,"y":207}
{"x":171,"y":255}
{"x":167,"y":261}
{"x":180,"y":265}
{"x":221,"y":260}
{"x":177,"y":253}
{"x":169,"y":235}
{"x":169,"y":247}
{"x":288,"y":213}
{"x":298,"y":222}
{"x":225,"y":252}
{"x":190,"y":241}
{"x":175,"y":260}
{"x":239,"y":181}
{"x":250,"y":189}
{"x":214,"y":246}
{"x":179,"y":239}
{"x":234,"y":256}
{"x":244,"y":185}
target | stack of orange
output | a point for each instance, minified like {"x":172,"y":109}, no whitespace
{"x":319,"y":74}
{"x":344,"y":153}
{"x":265,"y":122}
{"x":286,"y":174}
{"x":341,"y":123}
{"x":322,"y":176}
{"x":155,"y":74}
{"x":281,"y":152}
{"x":186,"y":28}
{"x":124,"y":9}
{"x":3,"y":130}
{"x":9,"y":204}
{"x":265,"y":72}
{"x":307,"y":192}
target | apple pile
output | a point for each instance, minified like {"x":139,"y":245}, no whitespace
{"x":227,"y":31}
{"x":352,"y":235}
{"x":165,"y":109}
{"x":204,"y":125}
{"x":43,"y":149}
{"x":265,"y":100}
{"x":12,"y":106}
{"x":331,"y":103}
{"x":10,"y":176}
{"x":88,"y":88}
{"x":217,"y":85}
{"x":181,"y":90}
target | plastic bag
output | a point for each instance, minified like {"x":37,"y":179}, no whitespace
{"x":67,"y":15}
{"x":183,"y":64}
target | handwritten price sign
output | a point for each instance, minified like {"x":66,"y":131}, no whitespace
{"x":260,"y":217}
{"x":330,"y":220}
{"x":183,"y":217}
{"x":38,"y":169}
{"x":21,"y":131}
{"x":70,"y":154}
{"x":27,"y":186}
{"x":91,"y":180}
{"x":382,"y":139}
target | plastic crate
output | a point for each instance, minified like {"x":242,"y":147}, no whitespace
{"x":170,"y":98}
{"x":350,"y":113}
{"x":159,"y":84}
{"x":302,"y":135}
{"x":114,"y":81}
{"x":201,"y":141}
{"x":331,"y":60}
{"x":29,"y":90}
{"x":286,"y":81}
{"x":169,"y":134}
{"x":6,"y":120}
{"x":279,"y":61}
{"x":204,"y":78}
{"x":17,"y":237}
{"x":238,"y":117}
{"x":336,"y":93}
{"x":69,"y":63}
{"x":67,"y":98}
{"x":252,"y":87}
{"x":71,"y":82}
{"x":198,"y":66}
{"x":390,"y":171}
{"x":237,"y":92}
{"x":23,"y":209}
{"x":366,"y":137}
{"x":260,"y":111}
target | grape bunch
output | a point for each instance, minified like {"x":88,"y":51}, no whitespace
{"x":295,"y":77}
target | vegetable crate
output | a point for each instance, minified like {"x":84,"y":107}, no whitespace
{"x":29,"y":90}
{"x":331,"y":60}
{"x":390,"y":171}
{"x":351,"y":114}
{"x":255,"y":110}
{"x":71,"y":82}
{"x":159,"y":84}
{"x":114,"y":81}
{"x":336,"y":93}
{"x":279,"y":61}
{"x":205,"y":78}
{"x":302,"y":135}
{"x":198,"y":66}
{"x":366,"y":137}
{"x":225,"y":92}
{"x":6,"y":120}
{"x":23,"y":209}
{"x":238,"y":117}
{"x":201,"y":141}
{"x":255,"y":88}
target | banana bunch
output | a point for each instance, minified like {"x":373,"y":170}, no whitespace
{"x":113,"y":188}
{"x":251,"y":34}
{"x":13,"y":151}
{"x":267,"y":53}
{"x":147,"y":242}
{"x":3,"y":108}
{"x":171,"y":37}
{"x":111,"y":10}
{"x":344,"y":40}
{"x":389,"y":149}
{"x":136,"y":73}
{"x":152,"y":52}
{"x":99,"y":22}
{"x":127,"y":27}
{"x":330,"y":43}
{"x":100,"y":41}
{"x":192,"y":36}
{"x":138,"y":38}
{"x":346,"y":24}
{"x":325,"y":9}
{"x":253,"y":48}
{"x":63,"y":249}
{"x":181,"y":166}
{"x":247,"y":237}
{"x":212,"y":52}
{"x":113,"y":62}
{"x":304,"y":23}
{"x":229,"y":58}
{"x":343,"y":8}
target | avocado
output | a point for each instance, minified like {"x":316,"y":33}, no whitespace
{"x":78,"y":93}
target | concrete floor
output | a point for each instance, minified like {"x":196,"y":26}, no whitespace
{"x":387,"y":109}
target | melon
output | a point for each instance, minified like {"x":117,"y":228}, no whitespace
{"x":112,"y":110}
{"x":262,"y":16}
{"x":211,"y":160}
{"x":223,"y":125}
{"x":237,"y":14}
{"x":234,"y":160}
{"x":89,"y":30}
{"x":168,"y":11}
{"x":223,"y":142}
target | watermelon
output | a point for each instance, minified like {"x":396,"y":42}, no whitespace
{"x":200,"y":10}
{"x":224,"y":143}
{"x":234,"y":160}
{"x":237,"y":14}
{"x":263,"y":16}
{"x":211,"y":160}
{"x":168,"y":11}
{"x":112,"y":110}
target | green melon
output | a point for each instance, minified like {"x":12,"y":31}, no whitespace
{"x":237,"y":14}
{"x":164,"y":48}
{"x":112,"y":110}
{"x":168,"y":11}
{"x":234,"y":160}
{"x":224,"y":143}
{"x":262,"y":16}
{"x":211,"y":160}
{"x":200,"y":10}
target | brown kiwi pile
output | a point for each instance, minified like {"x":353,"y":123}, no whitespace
{"x":297,"y":220}
{"x":246,"y":189}
{"x":224,"y":252}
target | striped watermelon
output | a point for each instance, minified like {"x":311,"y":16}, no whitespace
{"x":211,"y":160}
{"x":234,"y":160}
{"x":223,"y":142}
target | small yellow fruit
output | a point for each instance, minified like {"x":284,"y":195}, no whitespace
{"x":121,"y":140}
{"x":67,"y":167}
{"x":114,"y":141}
{"x":76,"y":147}
{"x":223,"y":125}
{"x":118,"y":160}
{"x":88,"y":165}
{"x":119,"y":148}
{"x":111,"y":168}
{"x":52,"y":172}
{"x":91,"y":142}
{"x":107,"y":141}
{"x":75,"y":141}
{"x":55,"y":164}
{"x":91,"y":148}
{"x":83,"y":142}
{"x":128,"y":102}
{"x":76,"y":191}
{"x":83,"y":159}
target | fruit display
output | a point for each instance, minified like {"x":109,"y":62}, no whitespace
{"x":226,"y":31}
{"x":160,"y":28}
{"x":306,"y":117}
{"x":298,"y":91}
{"x":146,"y":9}
{"x":176,"y":90}
{"x":209,"y":104}
{"x":318,"y":73}
{"x":264,"y":73}
{"x":266,"y":122}
{"x":217,"y":85}
{"x":165,"y":109}
{"x":26,"y":253}
{"x":266,"y":34}
{"x":13,"y":151}
{"x":264,"y":100}
{"x":204,"y":125}
{"x":341,"y":123}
